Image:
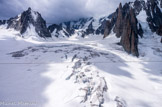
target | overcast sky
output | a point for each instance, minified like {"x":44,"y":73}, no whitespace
{"x":56,"y":11}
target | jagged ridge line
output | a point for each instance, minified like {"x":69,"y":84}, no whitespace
{"x":84,"y":61}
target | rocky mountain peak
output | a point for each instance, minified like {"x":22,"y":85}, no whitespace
{"x":126,"y":27}
{"x":27,"y":19}
{"x":120,"y":6}
{"x":154,"y":16}
{"x":29,"y":9}
{"x":129,"y":36}
{"x":2,"y":22}
{"x":123,"y":22}
{"x":82,"y":27}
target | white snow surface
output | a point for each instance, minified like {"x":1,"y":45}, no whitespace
{"x":79,"y":72}
{"x":34,"y":15}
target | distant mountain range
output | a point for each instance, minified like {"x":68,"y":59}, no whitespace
{"x":126,"y":22}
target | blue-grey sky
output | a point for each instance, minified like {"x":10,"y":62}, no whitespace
{"x":56,"y":11}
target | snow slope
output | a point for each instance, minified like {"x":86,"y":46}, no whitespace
{"x":78,"y":72}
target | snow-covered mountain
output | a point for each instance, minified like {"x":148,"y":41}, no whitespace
{"x":83,"y":63}
{"x":125,"y":22}
{"x":28,"y":23}
{"x":87,"y":26}
{"x":79,"y":72}
{"x":82,"y":27}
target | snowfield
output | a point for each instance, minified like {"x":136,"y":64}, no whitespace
{"x":79,"y":72}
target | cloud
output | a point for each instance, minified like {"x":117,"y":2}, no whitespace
{"x":56,"y":11}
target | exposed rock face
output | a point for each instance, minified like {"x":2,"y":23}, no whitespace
{"x":90,"y":29}
{"x":125,"y":26}
{"x":86,"y":26}
{"x":68,"y":28}
{"x":22,"y":23}
{"x":140,"y":30}
{"x":154,"y":16}
{"x":53,"y":27}
{"x":2,"y":22}
{"x":83,"y":27}
{"x":110,"y":24}
{"x":108,"y":28}
{"x":56,"y":29}
{"x":119,"y":22}
{"x":138,"y":5}
{"x":101,"y":28}
{"x":129,"y":37}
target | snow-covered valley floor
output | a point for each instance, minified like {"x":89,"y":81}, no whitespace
{"x":77,"y":72}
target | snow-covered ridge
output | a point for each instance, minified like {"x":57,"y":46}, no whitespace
{"x":25,"y":20}
{"x":81,"y":27}
{"x":76,"y":73}
{"x":30,"y":23}
{"x":85,"y":26}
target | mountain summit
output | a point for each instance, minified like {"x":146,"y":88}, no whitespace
{"x":128,"y":23}
{"x":28,"y":22}
{"x":111,"y":61}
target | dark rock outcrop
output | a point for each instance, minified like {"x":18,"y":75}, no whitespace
{"x":90,"y":29}
{"x":125,"y":25}
{"x":56,"y":29}
{"x":108,"y":28}
{"x":124,"y":22}
{"x":83,"y":26}
{"x":138,"y":5}
{"x":154,"y":16}
{"x":129,"y":37}
{"x":110,"y":24}
{"x":68,"y":28}
{"x":118,"y":29}
{"x":140,"y":30}
{"x":101,"y":28}
{"x":22,"y":23}
{"x":2,"y":22}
